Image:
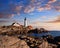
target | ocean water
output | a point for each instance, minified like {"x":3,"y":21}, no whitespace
{"x":53,"y":33}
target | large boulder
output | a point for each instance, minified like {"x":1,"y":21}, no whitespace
{"x":43,"y":45}
{"x":12,"y":42}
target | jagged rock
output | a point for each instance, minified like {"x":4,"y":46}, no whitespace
{"x":43,"y":45}
{"x":12,"y":42}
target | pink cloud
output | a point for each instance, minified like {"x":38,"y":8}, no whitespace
{"x":29,"y":8}
{"x":40,"y":9}
{"x":32,"y":0}
{"x":48,"y":7}
{"x":51,"y":4}
{"x":18,"y":8}
{"x":57,"y":20}
{"x":57,"y":8}
{"x":6,"y":20}
{"x":11,"y":11}
{"x":2,"y":15}
{"x":3,"y":21}
{"x":52,"y":1}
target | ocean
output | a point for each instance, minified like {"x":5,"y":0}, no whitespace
{"x":52,"y":33}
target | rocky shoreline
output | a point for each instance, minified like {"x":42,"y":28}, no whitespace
{"x":25,"y":42}
{"x":17,"y":37}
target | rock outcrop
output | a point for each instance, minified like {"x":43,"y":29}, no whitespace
{"x":12,"y":42}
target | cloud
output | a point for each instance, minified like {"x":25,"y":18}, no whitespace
{"x":3,"y":15}
{"x":43,"y":17}
{"x":18,"y":8}
{"x":3,"y":21}
{"x":40,"y":9}
{"x":45,"y":7}
{"x":52,"y":1}
{"x":52,"y":25}
{"x":57,"y":20}
{"x":51,"y":4}
{"x":48,"y":7}
{"x":37,"y":22}
{"x":33,"y":4}
{"x":57,"y":8}
{"x":54,"y":4}
{"x":28,"y":7}
{"x":10,"y":10}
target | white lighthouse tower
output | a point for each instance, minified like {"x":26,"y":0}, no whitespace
{"x":25,"y":22}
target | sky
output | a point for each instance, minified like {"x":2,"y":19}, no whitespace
{"x":39,"y":13}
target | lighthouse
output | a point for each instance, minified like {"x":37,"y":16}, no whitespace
{"x":25,"y":22}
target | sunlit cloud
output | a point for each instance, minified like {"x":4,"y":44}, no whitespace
{"x":3,"y":15}
{"x":6,"y":20}
{"x":48,"y":7}
{"x":29,"y":9}
{"x":57,"y":20}
{"x":40,"y":9}
{"x":52,"y":1}
{"x":17,"y":8}
{"x":3,"y":21}
{"x":11,"y":10}
{"x":57,"y":8}
{"x":40,"y":18}
{"x":48,"y":26}
{"x":43,"y":17}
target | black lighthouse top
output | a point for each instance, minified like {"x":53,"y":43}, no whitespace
{"x":25,"y":18}
{"x":25,"y":22}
